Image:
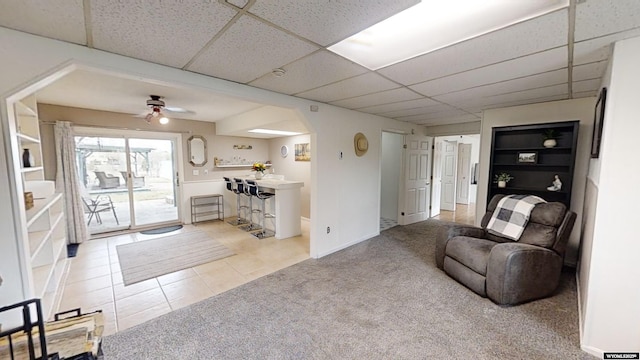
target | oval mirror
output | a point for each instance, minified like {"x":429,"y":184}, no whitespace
{"x":197,"y":150}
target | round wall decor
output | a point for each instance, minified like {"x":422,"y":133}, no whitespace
{"x":284,"y":151}
{"x":361,"y":144}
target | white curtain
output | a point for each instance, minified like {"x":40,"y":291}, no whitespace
{"x":68,"y":182}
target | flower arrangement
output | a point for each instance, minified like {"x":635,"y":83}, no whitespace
{"x":258,"y":167}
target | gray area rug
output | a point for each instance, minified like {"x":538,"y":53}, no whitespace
{"x":381,"y":299}
{"x":147,"y":259}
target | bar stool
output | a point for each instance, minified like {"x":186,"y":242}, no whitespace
{"x":244,"y":190}
{"x":263,"y":197}
{"x":239,"y":219}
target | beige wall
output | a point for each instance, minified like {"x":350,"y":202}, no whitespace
{"x":220,"y":146}
{"x":293,"y":170}
{"x":566,"y":110}
{"x":609,"y":272}
{"x":217,"y":146}
{"x":454,"y":129}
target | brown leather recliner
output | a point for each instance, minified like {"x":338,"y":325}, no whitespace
{"x":508,"y":272}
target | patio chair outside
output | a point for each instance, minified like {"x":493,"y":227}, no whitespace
{"x":100,"y":204}
{"x":107,"y":181}
{"x":138,"y":181}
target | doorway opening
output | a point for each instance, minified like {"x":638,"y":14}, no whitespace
{"x":130,"y":182}
{"x":455,"y":180}
{"x":405,"y":179}
{"x":391,"y":168}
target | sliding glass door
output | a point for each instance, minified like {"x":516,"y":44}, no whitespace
{"x":153,"y":172}
{"x":129,"y":183}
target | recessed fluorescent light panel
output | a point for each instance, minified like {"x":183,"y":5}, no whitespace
{"x":274,"y":132}
{"x":434,"y":24}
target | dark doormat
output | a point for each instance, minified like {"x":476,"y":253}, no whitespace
{"x":72,"y":250}
{"x":161,"y":230}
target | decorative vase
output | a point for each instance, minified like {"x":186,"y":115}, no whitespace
{"x":27,"y":159}
{"x":259,"y":175}
{"x":502,"y":184}
{"x":549,"y":143}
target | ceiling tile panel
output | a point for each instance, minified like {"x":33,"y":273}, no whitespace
{"x":439,"y":115}
{"x":578,"y":95}
{"x":509,"y":86}
{"x":541,"y":33}
{"x":596,"y":18}
{"x":320,"y":68}
{"x":586,"y":85}
{"x":404,"y":105}
{"x":368,"y":83}
{"x":383,"y":97}
{"x":524,"y":66}
{"x":327,"y":22}
{"x":169,"y":32}
{"x":433,"y":109}
{"x":520,"y":102}
{"x":248,"y":50}
{"x":238,"y":3}
{"x":593,"y":50}
{"x":474,"y":104}
{"x":589,"y":71}
{"x":62,"y":20}
{"x":451,"y":120}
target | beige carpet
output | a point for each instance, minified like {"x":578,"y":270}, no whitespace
{"x":147,"y":259}
{"x":383,"y":298}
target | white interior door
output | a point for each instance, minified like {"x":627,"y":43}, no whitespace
{"x":391,"y":175}
{"x":449,"y":167}
{"x":436,"y":179}
{"x":464,"y":167}
{"x":417,"y":174}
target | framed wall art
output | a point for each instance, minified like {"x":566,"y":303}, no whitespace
{"x":598,"y":123}
{"x":303,"y":152}
{"x":529,"y":157}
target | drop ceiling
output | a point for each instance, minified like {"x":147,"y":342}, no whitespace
{"x":559,"y":55}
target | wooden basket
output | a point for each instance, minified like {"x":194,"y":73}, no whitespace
{"x":28,"y":200}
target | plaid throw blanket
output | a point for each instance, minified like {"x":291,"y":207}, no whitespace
{"x":511,"y":215}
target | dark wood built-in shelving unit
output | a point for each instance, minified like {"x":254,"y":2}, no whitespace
{"x":534,"y":178}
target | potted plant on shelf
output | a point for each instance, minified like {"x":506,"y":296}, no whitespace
{"x":259,"y":168}
{"x":550,"y":136}
{"x":502,"y":179}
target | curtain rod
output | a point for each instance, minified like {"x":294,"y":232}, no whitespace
{"x":118,"y":128}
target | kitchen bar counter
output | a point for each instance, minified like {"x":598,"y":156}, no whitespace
{"x":287,"y":205}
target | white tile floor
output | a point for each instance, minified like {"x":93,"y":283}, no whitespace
{"x":95,"y":282}
{"x":387,"y":223}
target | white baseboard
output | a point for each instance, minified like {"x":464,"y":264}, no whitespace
{"x":344,"y":246}
{"x":588,"y":349}
{"x":593,"y":351}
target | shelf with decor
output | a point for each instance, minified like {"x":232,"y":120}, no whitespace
{"x":239,"y":165}
{"x":42,"y":235}
{"x":519,"y":152}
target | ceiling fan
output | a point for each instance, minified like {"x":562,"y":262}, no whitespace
{"x":158,"y":109}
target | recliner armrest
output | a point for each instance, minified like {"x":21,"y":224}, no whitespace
{"x":447,"y":232}
{"x":517,"y":273}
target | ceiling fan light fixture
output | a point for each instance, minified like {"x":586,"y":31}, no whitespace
{"x":163,"y":119}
